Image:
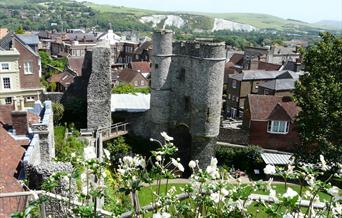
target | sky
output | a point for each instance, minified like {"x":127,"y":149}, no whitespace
{"x":305,"y":10}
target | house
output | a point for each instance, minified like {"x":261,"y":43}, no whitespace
{"x":62,"y":80}
{"x":142,"y":52}
{"x":241,"y":84}
{"x":133,"y":78}
{"x":20,"y":71}
{"x":270,"y":122}
{"x":282,"y":54}
{"x":279,"y":87}
{"x":76,"y":64}
{"x":144,"y":67}
{"x":234,"y":65}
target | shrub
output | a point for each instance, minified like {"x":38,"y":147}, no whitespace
{"x":58,"y":111}
{"x":246,"y":159}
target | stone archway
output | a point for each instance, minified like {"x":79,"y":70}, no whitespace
{"x":183,"y":141}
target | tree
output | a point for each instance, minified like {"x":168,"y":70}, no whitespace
{"x":319,"y":95}
{"x":20,"y":30}
{"x":58,"y":111}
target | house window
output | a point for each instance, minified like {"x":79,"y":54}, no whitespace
{"x":142,"y":82}
{"x":278,"y":127}
{"x":6,"y":83}
{"x":30,"y":98}
{"x":28,"y":67}
{"x":135,"y":83}
{"x":234,"y":84}
{"x":4,"y":66}
{"x":8,"y":100}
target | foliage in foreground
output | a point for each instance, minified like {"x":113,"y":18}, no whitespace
{"x":209,"y":191}
{"x":129,"y":89}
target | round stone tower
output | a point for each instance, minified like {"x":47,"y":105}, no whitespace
{"x":208,"y":60}
{"x":161,"y":83}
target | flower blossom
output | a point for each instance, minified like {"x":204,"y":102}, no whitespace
{"x":334,"y":191}
{"x":215,"y":197}
{"x":163,"y":215}
{"x":192,"y":164}
{"x":177,"y":164}
{"x":166,"y":136}
{"x":323,"y":162}
{"x":269,"y":169}
{"x":290,"y":193}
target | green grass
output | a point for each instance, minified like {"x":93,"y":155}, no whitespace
{"x":146,"y":194}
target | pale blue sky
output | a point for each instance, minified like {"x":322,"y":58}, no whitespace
{"x":305,"y":10}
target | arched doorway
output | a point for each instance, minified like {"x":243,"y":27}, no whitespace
{"x":182,"y":139}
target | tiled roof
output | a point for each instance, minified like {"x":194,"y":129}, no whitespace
{"x":144,"y":46}
{"x":268,"y":66}
{"x":127,"y":75}
{"x":262,"y":106}
{"x":141,"y":66}
{"x":76,"y":64}
{"x":29,"y":39}
{"x":10,"y":156}
{"x":263,"y":74}
{"x":236,"y":58}
{"x":81,"y":37}
{"x":5,"y":114}
{"x":280,"y":84}
{"x":65,"y":78}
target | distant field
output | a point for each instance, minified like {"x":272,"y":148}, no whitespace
{"x":118,"y":9}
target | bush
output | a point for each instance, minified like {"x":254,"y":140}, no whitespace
{"x":58,"y":111}
{"x":246,"y":159}
{"x":129,"y":89}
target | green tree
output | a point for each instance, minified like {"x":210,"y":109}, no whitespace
{"x":20,"y":30}
{"x":58,"y":111}
{"x":319,"y":94}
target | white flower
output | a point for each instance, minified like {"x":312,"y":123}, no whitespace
{"x":163,"y":215}
{"x":177,"y":164}
{"x":192,"y":164}
{"x":213,"y":162}
{"x":323,"y":162}
{"x":273,"y":193}
{"x":288,"y":215}
{"x":224,"y":192}
{"x":121,"y":171}
{"x":127,"y":160}
{"x":73,"y":154}
{"x":290,"y":169}
{"x":107,"y":153}
{"x":215,"y":197}
{"x":269,"y":169}
{"x":310,"y":179}
{"x":334,"y":191}
{"x":290,"y":193}
{"x":166,"y":136}
{"x":158,"y":158}
{"x":212,"y":171}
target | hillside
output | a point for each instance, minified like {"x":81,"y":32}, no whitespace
{"x":64,"y":14}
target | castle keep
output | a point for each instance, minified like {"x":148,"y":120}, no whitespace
{"x":186,"y":96}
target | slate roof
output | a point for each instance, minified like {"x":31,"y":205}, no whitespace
{"x":280,"y":84}
{"x":263,"y":75}
{"x":141,"y":66}
{"x":81,"y":37}
{"x":29,"y":39}
{"x":262,"y":107}
{"x":144,"y":46}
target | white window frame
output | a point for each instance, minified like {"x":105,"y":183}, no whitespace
{"x":29,"y":98}
{"x":7,"y":68}
{"x":278,"y":127}
{"x":142,"y":82}
{"x":234,"y":84}
{"x":136,"y":83}
{"x":28,"y":67}
{"x":5,"y":83}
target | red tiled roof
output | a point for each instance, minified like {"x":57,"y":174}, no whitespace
{"x":236,"y":58}
{"x":63,"y":78}
{"x":265,"y":107}
{"x":10,"y":156}
{"x":141,"y":66}
{"x":5,"y":114}
{"x":76,"y":64}
{"x":268,"y":66}
{"x":127,"y":75}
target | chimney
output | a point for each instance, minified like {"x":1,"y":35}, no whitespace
{"x":20,"y":122}
{"x":254,"y":64}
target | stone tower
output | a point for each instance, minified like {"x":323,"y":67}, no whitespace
{"x":186,"y":96}
{"x":99,"y":87}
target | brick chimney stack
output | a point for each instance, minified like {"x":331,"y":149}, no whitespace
{"x":19,"y":119}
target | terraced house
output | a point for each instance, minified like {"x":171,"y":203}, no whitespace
{"x":20,"y":69}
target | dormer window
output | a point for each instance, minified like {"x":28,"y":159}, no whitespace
{"x":278,"y":127}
